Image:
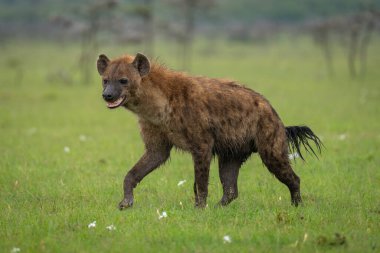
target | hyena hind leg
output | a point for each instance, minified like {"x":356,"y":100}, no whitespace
{"x":280,"y":167}
{"x":228,"y":174}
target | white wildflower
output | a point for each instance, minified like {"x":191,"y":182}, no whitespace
{"x":66,"y":149}
{"x":305,"y":237}
{"x":294,"y":245}
{"x":293,"y":156}
{"x":227,"y":239}
{"x":162,"y":215}
{"x":111,"y":227}
{"x":92,"y":224}
{"x":82,"y":137}
{"x":15,"y":250}
{"x":279,"y":198}
{"x":180,"y":183}
{"x":342,"y":137}
{"x":31,"y":131}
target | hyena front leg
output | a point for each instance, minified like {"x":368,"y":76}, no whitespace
{"x":147,"y":163}
{"x":202,"y":159}
{"x":157,"y":152}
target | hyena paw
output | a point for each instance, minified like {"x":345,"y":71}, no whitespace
{"x":125,"y":203}
{"x":296,"y":198}
{"x":200,"y":204}
{"x":225,"y":200}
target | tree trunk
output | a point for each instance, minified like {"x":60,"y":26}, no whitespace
{"x":364,"y":46}
{"x":149,"y":28}
{"x":189,"y":34}
{"x":352,"y":51}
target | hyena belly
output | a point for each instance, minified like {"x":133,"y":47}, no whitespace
{"x":234,"y":123}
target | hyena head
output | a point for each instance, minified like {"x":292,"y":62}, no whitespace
{"x":121,"y":78}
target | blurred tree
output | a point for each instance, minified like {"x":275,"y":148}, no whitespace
{"x":89,"y":36}
{"x":359,"y":30}
{"x":356,"y":29}
{"x":145,"y":10}
{"x":189,"y":8}
{"x":370,"y":19}
{"x":321,"y":33}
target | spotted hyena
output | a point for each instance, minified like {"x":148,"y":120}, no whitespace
{"x":205,"y":117}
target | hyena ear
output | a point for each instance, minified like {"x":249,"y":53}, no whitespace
{"x":142,"y":64}
{"x":102,"y":63}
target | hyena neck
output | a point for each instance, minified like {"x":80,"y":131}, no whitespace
{"x":152,"y":101}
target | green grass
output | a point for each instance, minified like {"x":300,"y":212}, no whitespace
{"x":48,"y":197}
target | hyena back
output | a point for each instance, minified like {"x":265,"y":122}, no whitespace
{"x":204,"y":117}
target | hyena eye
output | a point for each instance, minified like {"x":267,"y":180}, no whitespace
{"x":123,"y":81}
{"x":105,"y":81}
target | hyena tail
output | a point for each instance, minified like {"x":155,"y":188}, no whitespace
{"x":298,"y":135}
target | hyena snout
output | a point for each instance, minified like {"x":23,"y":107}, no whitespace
{"x":111,"y":94}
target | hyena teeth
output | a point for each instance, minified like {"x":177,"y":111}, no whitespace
{"x":115,"y":103}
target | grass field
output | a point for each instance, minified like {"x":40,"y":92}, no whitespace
{"x":48,"y":197}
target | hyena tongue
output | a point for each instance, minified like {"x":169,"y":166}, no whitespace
{"x":115,"y":103}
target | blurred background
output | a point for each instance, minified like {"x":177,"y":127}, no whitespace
{"x":186,"y":29}
{"x":317,"y":61}
{"x":64,"y":153}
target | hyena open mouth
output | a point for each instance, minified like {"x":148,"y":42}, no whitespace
{"x":116,"y":103}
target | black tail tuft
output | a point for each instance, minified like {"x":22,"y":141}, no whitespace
{"x":298,"y":135}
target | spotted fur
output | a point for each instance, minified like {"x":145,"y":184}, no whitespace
{"x":204,"y":116}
